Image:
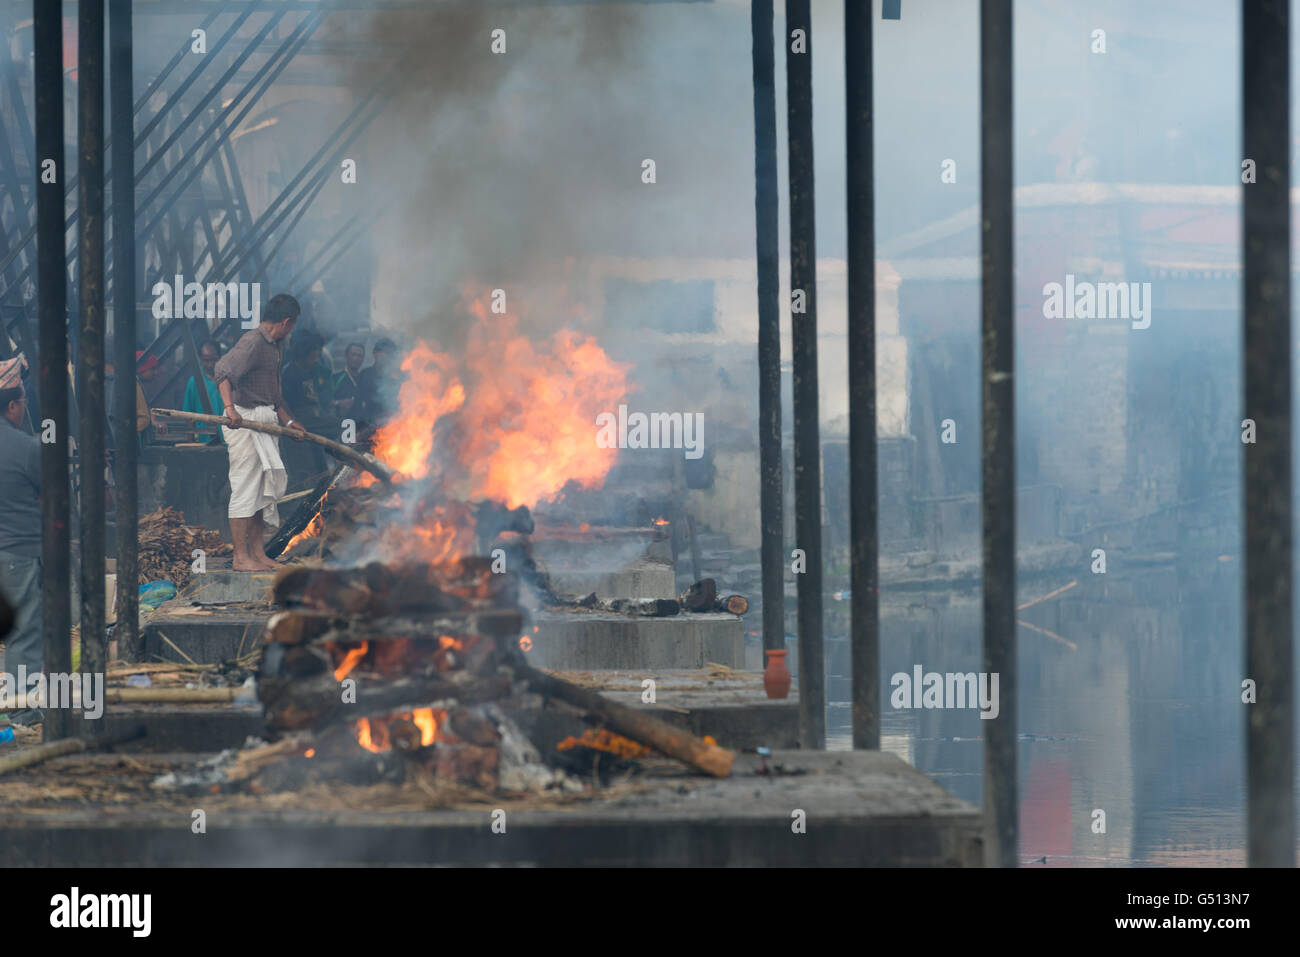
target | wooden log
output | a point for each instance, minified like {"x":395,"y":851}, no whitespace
{"x":365,"y":460}
{"x":250,"y":762}
{"x":700,"y":596}
{"x":316,"y":701}
{"x":305,"y":512}
{"x":311,"y":625}
{"x":735,"y":604}
{"x":52,"y":749}
{"x":635,"y":607}
{"x":377,"y":589}
{"x":637,"y":725}
{"x":169,"y":695}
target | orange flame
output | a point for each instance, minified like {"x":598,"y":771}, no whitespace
{"x":373,"y":734}
{"x":350,"y":660}
{"x":525,"y":643}
{"x":314,"y":528}
{"x":662,"y":521}
{"x":507,"y":419}
{"x":424,"y":720}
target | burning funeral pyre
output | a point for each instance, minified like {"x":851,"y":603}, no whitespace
{"x":404,"y":656}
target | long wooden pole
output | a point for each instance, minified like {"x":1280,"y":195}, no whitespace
{"x":361,"y":459}
{"x":637,"y":725}
{"x":52,"y":749}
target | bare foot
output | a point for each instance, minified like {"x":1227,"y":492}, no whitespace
{"x":269,"y":564}
{"x":241,"y":563}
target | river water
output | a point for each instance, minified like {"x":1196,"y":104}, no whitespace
{"x":1131,"y":706}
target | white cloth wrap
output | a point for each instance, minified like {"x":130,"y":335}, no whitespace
{"x":257,"y":475}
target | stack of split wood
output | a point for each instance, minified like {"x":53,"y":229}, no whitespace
{"x":167,"y":546}
{"x":380,"y":671}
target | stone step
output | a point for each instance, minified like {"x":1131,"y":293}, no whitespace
{"x":223,"y":586}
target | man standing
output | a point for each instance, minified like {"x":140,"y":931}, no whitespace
{"x":248,"y":377}
{"x":20,"y":534}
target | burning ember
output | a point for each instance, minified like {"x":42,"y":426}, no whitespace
{"x":314,"y":528}
{"x":605,"y":740}
{"x":661,"y":521}
{"x":407,"y":731}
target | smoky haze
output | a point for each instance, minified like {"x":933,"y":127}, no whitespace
{"x":512,"y":168}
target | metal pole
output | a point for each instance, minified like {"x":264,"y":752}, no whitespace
{"x":52,"y":277}
{"x":90,"y":356}
{"x":803,"y":329}
{"x":127,"y":629}
{"x":1266,"y":206}
{"x":769,"y":326}
{"x":864,"y":544}
{"x":999,"y":420}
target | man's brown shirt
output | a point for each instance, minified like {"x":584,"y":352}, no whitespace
{"x":253,"y":368}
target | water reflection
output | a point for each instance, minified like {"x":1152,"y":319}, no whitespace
{"x":1141,"y":720}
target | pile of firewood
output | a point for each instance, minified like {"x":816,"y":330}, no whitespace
{"x":167,"y":546}
{"x":379,"y":674}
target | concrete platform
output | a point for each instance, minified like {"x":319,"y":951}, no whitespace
{"x":641,"y":579}
{"x":588,"y":641}
{"x":861,"y":809}
{"x":223,"y":586}
{"x":206,"y":635}
{"x":173,"y":728}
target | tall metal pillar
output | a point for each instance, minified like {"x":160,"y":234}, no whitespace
{"x":90,"y":354}
{"x":121,"y":89}
{"x":1266,"y":232}
{"x":769,"y":327}
{"x":52,"y":363}
{"x":864,"y":543}
{"x":803,"y":329}
{"x":1001,"y":801}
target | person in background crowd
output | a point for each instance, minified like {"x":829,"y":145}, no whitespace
{"x":20,"y":533}
{"x":209,"y":353}
{"x":304,"y":460}
{"x":378,"y":383}
{"x":145,"y":373}
{"x":347,"y":402}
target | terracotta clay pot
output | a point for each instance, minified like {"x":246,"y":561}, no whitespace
{"x":776,"y":679}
